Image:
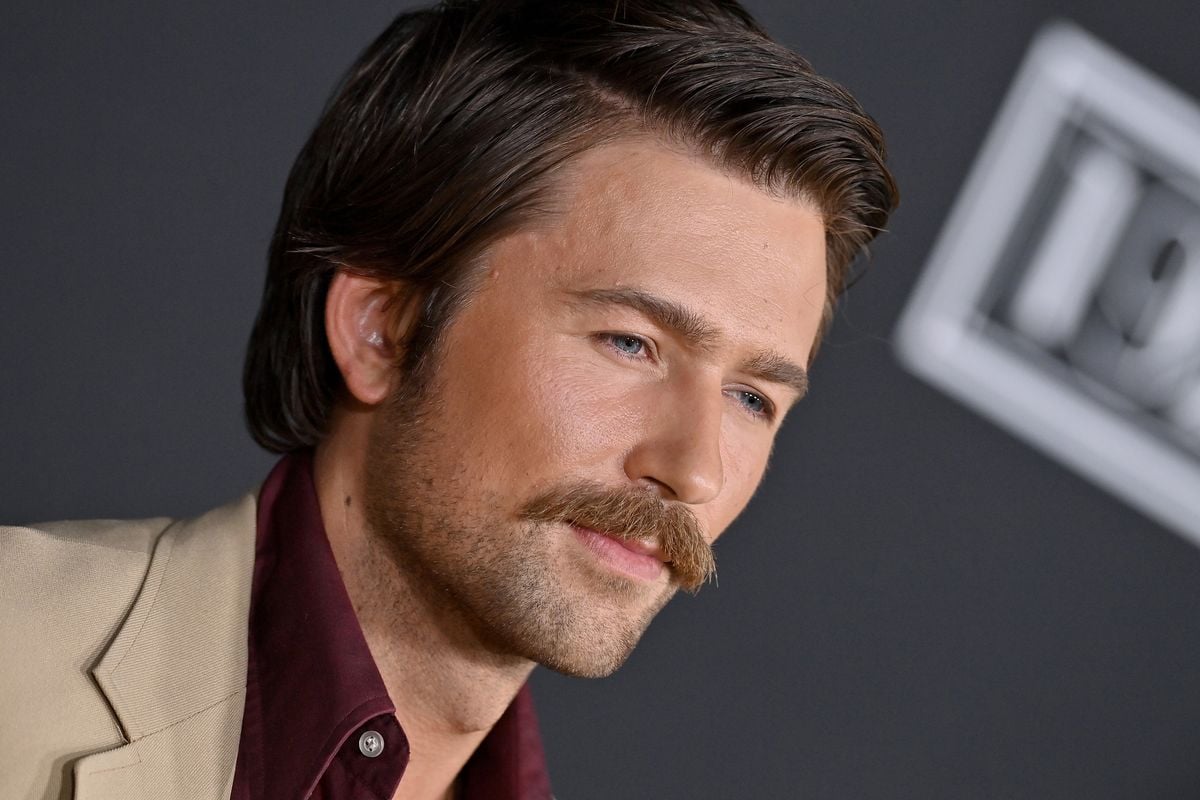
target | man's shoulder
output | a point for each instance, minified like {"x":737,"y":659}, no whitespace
{"x":102,"y":544}
{"x":72,"y":591}
{"x":96,"y":556}
{"x":66,"y":586}
{"x":49,"y":546}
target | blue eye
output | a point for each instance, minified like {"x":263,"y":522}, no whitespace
{"x":753,"y":402}
{"x":629,"y":345}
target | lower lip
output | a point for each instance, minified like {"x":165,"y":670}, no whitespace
{"x":616,"y":555}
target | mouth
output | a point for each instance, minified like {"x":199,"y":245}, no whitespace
{"x":641,"y":559}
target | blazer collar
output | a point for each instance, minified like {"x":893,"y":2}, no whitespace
{"x":175,"y":672}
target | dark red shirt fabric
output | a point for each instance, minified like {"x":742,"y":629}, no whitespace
{"x":312,"y":687}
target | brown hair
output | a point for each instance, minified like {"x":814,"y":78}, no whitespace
{"x":446,"y":131}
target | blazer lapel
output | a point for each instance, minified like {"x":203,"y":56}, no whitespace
{"x":175,"y":673}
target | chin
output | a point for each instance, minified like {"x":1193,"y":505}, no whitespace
{"x":578,"y":622}
{"x":589,"y":645}
{"x":590,"y":662}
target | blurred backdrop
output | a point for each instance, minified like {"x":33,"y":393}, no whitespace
{"x":919,"y":604}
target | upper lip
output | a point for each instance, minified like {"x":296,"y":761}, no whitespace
{"x":645,"y":547}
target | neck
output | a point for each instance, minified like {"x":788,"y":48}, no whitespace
{"x":449,"y":689}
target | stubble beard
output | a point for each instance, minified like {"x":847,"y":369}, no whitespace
{"x":495,"y":576}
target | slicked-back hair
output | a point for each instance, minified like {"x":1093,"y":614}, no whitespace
{"x":449,"y":129}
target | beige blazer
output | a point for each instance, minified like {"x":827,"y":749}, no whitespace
{"x":123,"y":656}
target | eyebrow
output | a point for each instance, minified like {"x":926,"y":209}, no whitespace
{"x":701,"y":334}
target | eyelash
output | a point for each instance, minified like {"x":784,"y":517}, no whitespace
{"x":767,"y":414}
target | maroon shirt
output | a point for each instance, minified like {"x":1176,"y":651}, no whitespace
{"x":318,"y":721}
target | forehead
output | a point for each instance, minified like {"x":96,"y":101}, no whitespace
{"x":635,"y":213}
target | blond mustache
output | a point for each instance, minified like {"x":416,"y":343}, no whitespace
{"x":632,"y":515}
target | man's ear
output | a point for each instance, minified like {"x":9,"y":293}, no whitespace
{"x":366,"y":323}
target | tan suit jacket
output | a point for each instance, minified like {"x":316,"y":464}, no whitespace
{"x":123,"y":656}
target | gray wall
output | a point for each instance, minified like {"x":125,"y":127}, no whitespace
{"x":917,"y":604}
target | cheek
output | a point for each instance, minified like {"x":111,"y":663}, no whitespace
{"x":588,"y":413}
{"x":525,"y":409}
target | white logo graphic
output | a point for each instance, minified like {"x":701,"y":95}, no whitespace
{"x":1063,"y":298}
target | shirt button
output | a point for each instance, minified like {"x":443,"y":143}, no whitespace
{"x":370,"y":744}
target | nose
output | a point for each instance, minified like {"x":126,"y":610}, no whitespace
{"x":680,"y":455}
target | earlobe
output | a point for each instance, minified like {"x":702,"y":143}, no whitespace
{"x":366,"y":322}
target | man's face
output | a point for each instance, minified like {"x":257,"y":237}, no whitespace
{"x":641,"y":345}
